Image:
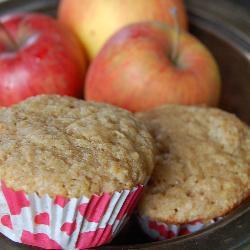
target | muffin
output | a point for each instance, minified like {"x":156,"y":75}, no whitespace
{"x":70,"y":171}
{"x":202,"y":169}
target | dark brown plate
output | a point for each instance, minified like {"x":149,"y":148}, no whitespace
{"x":225,"y":28}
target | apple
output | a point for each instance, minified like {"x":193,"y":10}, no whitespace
{"x":145,"y":65}
{"x":38,"y":56}
{"x":94,"y":21}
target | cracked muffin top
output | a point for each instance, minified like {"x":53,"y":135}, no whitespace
{"x":64,"y":146}
{"x":202,"y":164}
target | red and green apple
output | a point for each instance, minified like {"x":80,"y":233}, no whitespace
{"x":145,"y":65}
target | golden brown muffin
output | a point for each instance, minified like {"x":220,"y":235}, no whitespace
{"x":64,"y":146}
{"x":202,"y":165}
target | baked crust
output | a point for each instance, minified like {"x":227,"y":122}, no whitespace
{"x":64,"y":146}
{"x":202,"y":165}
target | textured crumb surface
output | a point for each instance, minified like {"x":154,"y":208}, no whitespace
{"x":202,"y":165}
{"x":63,"y":146}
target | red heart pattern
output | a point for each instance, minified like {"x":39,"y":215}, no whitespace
{"x":94,"y":238}
{"x":56,"y":220}
{"x":16,"y":199}
{"x":162,"y":231}
{"x":6,"y":221}
{"x":69,"y":227}
{"x":42,"y":218}
{"x":39,"y":239}
{"x":61,"y":201}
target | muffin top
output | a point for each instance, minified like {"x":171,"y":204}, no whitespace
{"x":64,"y":146}
{"x":202,"y":164}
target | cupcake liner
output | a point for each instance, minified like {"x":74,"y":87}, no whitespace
{"x":64,"y":223}
{"x":162,"y":231}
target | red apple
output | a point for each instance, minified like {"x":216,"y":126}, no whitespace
{"x":95,"y":21}
{"x":137,"y":69}
{"x":38,"y":56}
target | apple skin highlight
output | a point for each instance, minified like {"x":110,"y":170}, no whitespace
{"x":134,"y":70}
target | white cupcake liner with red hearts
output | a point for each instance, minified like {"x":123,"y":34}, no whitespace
{"x":162,"y":231}
{"x":64,"y":223}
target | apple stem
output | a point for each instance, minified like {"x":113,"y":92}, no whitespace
{"x":13,"y":44}
{"x":174,"y":13}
